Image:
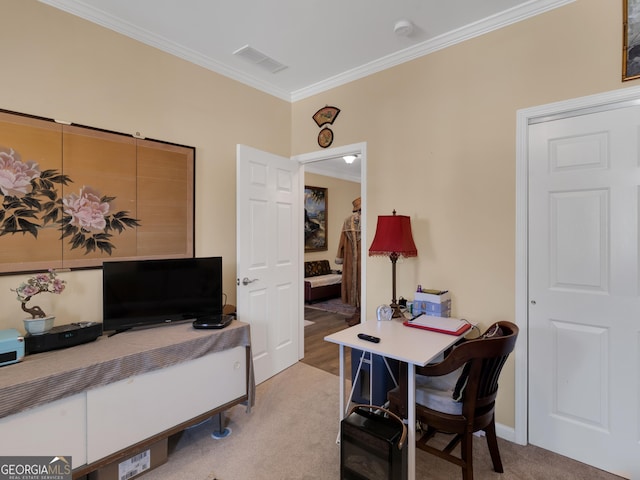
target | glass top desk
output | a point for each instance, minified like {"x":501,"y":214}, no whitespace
{"x":414,"y":346}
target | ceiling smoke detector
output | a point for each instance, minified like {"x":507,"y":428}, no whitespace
{"x":403,"y":28}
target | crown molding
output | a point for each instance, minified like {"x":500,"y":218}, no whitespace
{"x":487,"y":25}
{"x":508,"y":17}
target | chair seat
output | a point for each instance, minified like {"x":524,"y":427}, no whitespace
{"x":436,"y":393}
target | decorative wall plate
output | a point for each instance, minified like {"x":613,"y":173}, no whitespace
{"x":325,"y":137}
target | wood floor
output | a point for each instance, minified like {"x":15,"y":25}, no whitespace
{"x":318,"y":352}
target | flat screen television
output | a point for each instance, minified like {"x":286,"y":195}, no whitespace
{"x":141,"y":293}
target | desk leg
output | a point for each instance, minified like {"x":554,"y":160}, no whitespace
{"x":342,"y":377}
{"x":411,"y":408}
{"x":342,"y":415}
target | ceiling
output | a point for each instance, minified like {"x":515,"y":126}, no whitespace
{"x":320,"y":43}
{"x":337,"y":168}
{"x":314,"y":45}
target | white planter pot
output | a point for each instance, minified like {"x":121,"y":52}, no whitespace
{"x":38,"y":326}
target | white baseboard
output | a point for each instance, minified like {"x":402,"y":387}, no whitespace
{"x":507,"y":433}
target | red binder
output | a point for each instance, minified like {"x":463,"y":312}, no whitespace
{"x":459,"y":331}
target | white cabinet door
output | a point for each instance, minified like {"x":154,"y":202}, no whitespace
{"x":126,"y":412}
{"x":57,"y":429}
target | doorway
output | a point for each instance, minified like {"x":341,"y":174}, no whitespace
{"x":577,"y":289}
{"x":311,"y":161}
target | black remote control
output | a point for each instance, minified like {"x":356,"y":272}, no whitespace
{"x":368,"y":338}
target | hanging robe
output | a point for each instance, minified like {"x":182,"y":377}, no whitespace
{"x":349,"y":257}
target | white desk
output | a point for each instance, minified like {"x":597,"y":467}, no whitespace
{"x":413,"y":346}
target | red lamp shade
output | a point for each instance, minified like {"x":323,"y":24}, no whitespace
{"x":393,"y":235}
{"x":393,"y":239}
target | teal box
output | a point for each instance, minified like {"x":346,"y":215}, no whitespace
{"x":11,"y":346}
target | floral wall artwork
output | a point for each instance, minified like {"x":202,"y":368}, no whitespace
{"x":31,"y":202}
{"x":73,"y":196}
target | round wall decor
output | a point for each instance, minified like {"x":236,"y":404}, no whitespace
{"x":325,"y":137}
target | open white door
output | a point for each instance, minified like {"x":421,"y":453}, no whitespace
{"x":267,"y":266}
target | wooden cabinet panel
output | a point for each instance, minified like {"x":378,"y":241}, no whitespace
{"x":125,"y":412}
{"x":57,"y":427}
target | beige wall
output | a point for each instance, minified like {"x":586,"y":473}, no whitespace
{"x":440,"y":134}
{"x":340,"y":194}
{"x":59,"y":66}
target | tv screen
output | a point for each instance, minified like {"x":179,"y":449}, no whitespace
{"x":147,"y":292}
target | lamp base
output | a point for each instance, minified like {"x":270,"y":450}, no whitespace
{"x":397,"y":313}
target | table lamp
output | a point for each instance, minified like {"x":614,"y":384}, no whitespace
{"x":393,"y":238}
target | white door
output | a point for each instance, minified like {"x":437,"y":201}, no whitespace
{"x":584,"y":310}
{"x":268,"y":236}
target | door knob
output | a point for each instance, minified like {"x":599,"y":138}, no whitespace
{"x":246,"y":281}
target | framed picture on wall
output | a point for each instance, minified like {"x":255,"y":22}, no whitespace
{"x":104,"y":196}
{"x":631,"y":39}
{"x":315,"y":219}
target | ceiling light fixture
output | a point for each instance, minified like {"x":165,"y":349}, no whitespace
{"x":403,"y":28}
{"x":349,"y":159}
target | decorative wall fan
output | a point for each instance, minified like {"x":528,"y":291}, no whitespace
{"x":326,"y":115}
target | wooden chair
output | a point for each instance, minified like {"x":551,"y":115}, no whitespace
{"x":469,"y":372}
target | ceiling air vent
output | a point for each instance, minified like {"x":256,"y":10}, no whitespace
{"x":252,"y":55}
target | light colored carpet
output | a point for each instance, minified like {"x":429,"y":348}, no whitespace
{"x":308,"y":322}
{"x":291,"y":435}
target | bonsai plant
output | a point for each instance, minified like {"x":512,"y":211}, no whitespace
{"x":46,"y":282}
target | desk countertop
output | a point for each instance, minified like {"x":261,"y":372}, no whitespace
{"x":406,"y":344}
{"x":45,"y":377}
